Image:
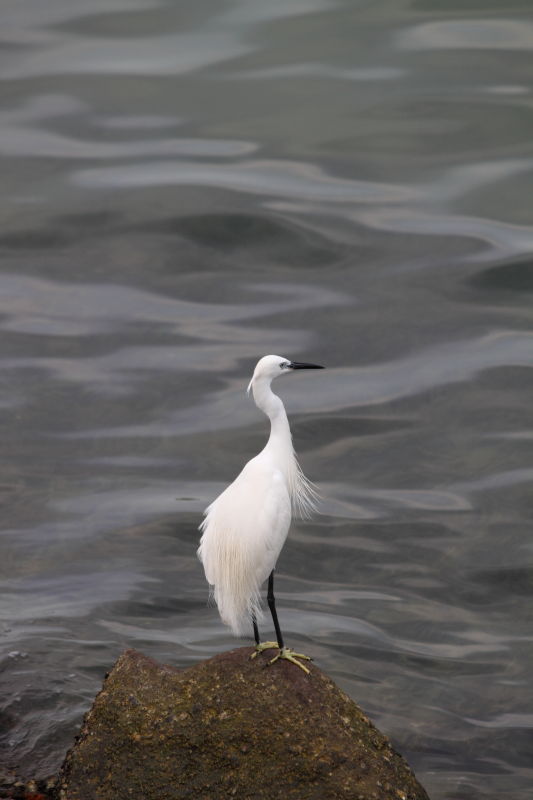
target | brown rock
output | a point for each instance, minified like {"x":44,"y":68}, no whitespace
{"x":229,"y":727}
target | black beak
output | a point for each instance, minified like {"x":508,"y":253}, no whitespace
{"x":303,"y":365}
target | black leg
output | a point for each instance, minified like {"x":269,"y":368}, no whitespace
{"x":256,"y":629}
{"x":272,"y":606}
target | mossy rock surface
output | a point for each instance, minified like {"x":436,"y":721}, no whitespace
{"x":230,"y":727}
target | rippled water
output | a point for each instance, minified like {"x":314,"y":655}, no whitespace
{"x":187,"y":186}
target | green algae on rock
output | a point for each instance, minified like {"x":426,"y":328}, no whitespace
{"x":229,"y":727}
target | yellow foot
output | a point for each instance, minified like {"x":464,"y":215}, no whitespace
{"x":288,"y":655}
{"x":264,"y":646}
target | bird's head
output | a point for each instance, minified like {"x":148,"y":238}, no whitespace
{"x":270,"y":367}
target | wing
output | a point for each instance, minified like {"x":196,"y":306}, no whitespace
{"x":272,"y":522}
{"x":243,"y":533}
{"x":254,"y":512}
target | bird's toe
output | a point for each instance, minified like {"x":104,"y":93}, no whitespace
{"x":288,"y":655}
{"x":264,"y":646}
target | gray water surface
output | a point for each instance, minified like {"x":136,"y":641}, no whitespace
{"x":188,"y":186}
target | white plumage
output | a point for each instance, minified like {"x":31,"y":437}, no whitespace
{"x":246,"y":526}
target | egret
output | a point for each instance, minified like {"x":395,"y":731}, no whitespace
{"x":245,"y":527}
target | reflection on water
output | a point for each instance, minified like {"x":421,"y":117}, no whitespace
{"x":189,"y":187}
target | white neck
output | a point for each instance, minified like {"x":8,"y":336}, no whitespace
{"x":301,"y":492}
{"x":271,"y":405}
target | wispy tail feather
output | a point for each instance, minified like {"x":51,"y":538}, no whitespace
{"x":230,"y":567}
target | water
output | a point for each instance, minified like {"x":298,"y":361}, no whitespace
{"x":187,"y":186}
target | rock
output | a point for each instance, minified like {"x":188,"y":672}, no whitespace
{"x":12,"y":787}
{"x":229,"y":727}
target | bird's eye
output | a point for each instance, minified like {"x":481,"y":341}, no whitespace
{"x":284,"y":365}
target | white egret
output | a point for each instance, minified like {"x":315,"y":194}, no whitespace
{"x":246,"y":526}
